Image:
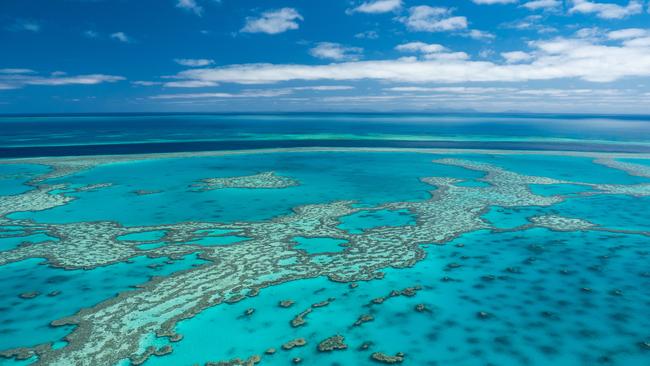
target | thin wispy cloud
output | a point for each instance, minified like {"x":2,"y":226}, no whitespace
{"x":25,"y":25}
{"x":194,"y":62}
{"x":273,"y":21}
{"x":190,"y":5}
{"x":254,"y":93}
{"x":19,"y":78}
{"x":121,"y":37}
{"x":190,"y":84}
{"x":16,"y":71}
{"x":90,"y":34}
{"x":335,"y":51}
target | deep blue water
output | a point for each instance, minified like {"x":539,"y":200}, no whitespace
{"x":134,"y":133}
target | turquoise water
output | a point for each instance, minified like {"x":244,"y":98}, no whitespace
{"x":13,"y":176}
{"x":178,"y":202}
{"x":12,"y":242}
{"x":25,"y":322}
{"x":508,"y":294}
{"x":363,"y":220}
{"x":540,"y":314}
{"x":319,"y":245}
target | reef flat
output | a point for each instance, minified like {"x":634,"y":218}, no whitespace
{"x":267,"y":180}
{"x":141,"y":325}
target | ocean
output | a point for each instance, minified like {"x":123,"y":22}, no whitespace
{"x":324,"y":239}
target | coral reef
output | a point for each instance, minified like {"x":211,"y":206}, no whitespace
{"x":267,"y":180}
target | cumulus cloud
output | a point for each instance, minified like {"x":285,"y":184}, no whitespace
{"x":335,"y":51}
{"x":190,"y":5}
{"x":432,"y":51}
{"x":542,"y":4}
{"x":558,"y":58}
{"x":273,"y":21}
{"x":193,"y":62}
{"x":121,"y":37}
{"x":377,"y":6}
{"x":606,"y":10}
{"x":479,"y":35}
{"x":19,"y":78}
{"x":425,"y":18}
{"x":421,"y":47}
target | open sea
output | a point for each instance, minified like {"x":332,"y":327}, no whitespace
{"x":324,"y":239}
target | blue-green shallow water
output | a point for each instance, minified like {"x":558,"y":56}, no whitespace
{"x":540,"y":315}
{"x":25,"y":322}
{"x":381,"y":178}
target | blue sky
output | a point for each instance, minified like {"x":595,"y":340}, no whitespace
{"x":373,"y":55}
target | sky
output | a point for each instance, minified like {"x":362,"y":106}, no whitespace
{"x":555,"y":56}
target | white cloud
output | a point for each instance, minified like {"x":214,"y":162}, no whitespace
{"x":531,"y":22}
{"x":145,"y":83}
{"x":377,"y":6}
{"x":559,"y":58}
{"x":367,"y":35}
{"x":542,"y":4}
{"x":628,"y":33}
{"x":121,"y":36}
{"x":273,"y":21}
{"x":453,"y":89}
{"x":516,"y":56}
{"x":18,"y":78}
{"x":254,"y":93}
{"x":335,"y":51}
{"x":324,"y":87}
{"x":91,"y":79}
{"x":267,"y":93}
{"x":479,"y":35}
{"x":432,"y":51}
{"x":425,"y":18}
{"x":190,"y":84}
{"x":190,"y":5}
{"x":16,"y":71}
{"x":607,"y":10}
{"x":592,"y":32}
{"x":420,"y":47}
{"x":192,"y":62}
{"x":492,"y":2}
